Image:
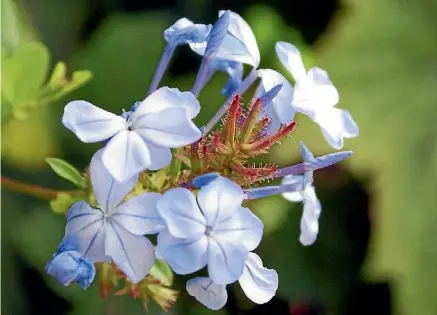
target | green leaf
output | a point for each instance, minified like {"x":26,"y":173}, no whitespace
{"x":63,"y":202}
{"x":24,"y":73}
{"x":57,"y":79}
{"x":79,"y":78}
{"x":162,"y":272}
{"x":67,"y":171}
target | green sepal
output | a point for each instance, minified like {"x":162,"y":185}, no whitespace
{"x":67,"y":171}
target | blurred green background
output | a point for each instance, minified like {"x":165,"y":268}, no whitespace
{"x":377,"y":248}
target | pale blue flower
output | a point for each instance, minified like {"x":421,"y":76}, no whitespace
{"x":258,"y":283}
{"x":114,"y":230}
{"x":68,"y":265}
{"x":238,"y":45}
{"x":212,"y":229}
{"x":143,"y":141}
{"x":316,"y":96}
{"x":184,"y":31}
{"x":305,"y":192}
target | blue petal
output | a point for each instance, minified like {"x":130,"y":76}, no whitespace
{"x":183,"y":31}
{"x":70,"y":266}
{"x":69,"y":243}
{"x":205,"y":179}
{"x":217,"y":34}
{"x":271,"y":94}
{"x":235,"y":71}
{"x":308,"y":157}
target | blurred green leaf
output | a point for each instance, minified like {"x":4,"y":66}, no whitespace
{"x":15,"y":28}
{"x":78,"y":79}
{"x":24,"y":72}
{"x":58,"y":75}
{"x":162,"y":272}
{"x":67,"y":171}
{"x":385,"y":67}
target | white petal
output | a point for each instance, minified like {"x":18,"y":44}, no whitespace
{"x":290,"y":57}
{"x":238,"y":45}
{"x":166,"y":97}
{"x":183,"y":218}
{"x":210,"y":294}
{"x":242,"y":228}
{"x":134,"y":254}
{"x":170,"y":128}
{"x":309,"y":224}
{"x":297,"y":195}
{"x":282,"y":103}
{"x":258,"y":283}
{"x":183,"y":255}
{"x":239,"y":28}
{"x":109,"y":193}
{"x":160,"y":157}
{"x":324,"y":92}
{"x":336,"y":124}
{"x":225,"y":260}
{"x":87,"y":225}
{"x":219,"y":200}
{"x":139,"y":215}
{"x":126,"y":155}
{"x":90,"y":123}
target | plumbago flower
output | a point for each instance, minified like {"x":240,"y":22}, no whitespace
{"x":315,"y":96}
{"x":113,"y":231}
{"x":212,"y":229}
{"x":193,"y":195}
{"x":140,"y":139}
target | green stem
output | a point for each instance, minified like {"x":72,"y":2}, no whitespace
{"x":33,"y":190}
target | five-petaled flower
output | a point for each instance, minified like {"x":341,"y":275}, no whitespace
{"x":212,"y":229}
{"x":139,"y":140}
{"x":315,"y":96}
{"x":114,"y":230}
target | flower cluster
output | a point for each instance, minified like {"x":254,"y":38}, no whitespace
{"x":159,"y":173}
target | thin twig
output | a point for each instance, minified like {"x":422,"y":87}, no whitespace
{"x":33,"y":190}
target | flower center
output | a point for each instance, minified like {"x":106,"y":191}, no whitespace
{"x":208,"y":231}
{"x":107,"y":216}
